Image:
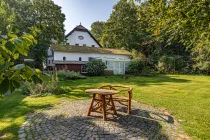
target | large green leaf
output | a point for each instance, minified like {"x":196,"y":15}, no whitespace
{"x":28,"y":72}
{"x":4,"y":86}
{"x":10,"y":46}
{"x":15,"y":83}
{"x":36,"y":79}
{"x":19,"y":66}
{"x":4,"y":66}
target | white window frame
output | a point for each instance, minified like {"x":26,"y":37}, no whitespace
{"x":83,"y":70}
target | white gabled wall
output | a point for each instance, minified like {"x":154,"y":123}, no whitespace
{"x":85,"y":56}
{"x":88,"y":40}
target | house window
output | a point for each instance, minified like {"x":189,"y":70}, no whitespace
{"x":67,"y":43}
{"x":90,"y":58}
{"x":80,"y":59}
{"x":84,"y":44}
{"x":64,"y":58}
{"x":109,"y":65}
{"x":93,"y":45}
{"x":49,"y":62}
{"x":80,"y":37}
{"x":76,"y":44}
{"x":83,"y":69}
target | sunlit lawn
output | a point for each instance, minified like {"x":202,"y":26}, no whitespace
{"x":186,"y":97}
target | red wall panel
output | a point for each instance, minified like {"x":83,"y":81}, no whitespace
{"x":71,"y":67}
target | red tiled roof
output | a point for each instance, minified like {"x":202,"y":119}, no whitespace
{"x":80,"y":27}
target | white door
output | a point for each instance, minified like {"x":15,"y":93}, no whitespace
{"x":119,"y":67}
{"x":116,"y":67}
{"x":122,"y":68}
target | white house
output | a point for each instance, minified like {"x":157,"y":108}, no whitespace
{"x":80,"y":48}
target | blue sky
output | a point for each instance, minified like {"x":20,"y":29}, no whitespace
{"x":85,"y":11}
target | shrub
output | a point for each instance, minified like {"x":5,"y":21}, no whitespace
{"x":146,"y":70}
{"x":135,"y":67}
{"x":95,"y":67}
{"x":165,"y":64}
{"x":69,"y":75}
{"x":44,"y":89}
{"x":203,"y":66}
{"x":169,"y":64}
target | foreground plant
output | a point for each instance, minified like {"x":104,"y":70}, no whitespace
{"x":12,"y":46}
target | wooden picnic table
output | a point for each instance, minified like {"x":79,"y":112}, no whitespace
{"x":104,"y":101}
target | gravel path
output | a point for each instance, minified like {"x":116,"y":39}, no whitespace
{"x":68,"y":121}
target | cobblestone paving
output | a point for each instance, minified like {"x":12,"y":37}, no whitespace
{"x":68,"y":120}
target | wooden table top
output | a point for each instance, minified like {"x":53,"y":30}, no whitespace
{"x":101,"y":91}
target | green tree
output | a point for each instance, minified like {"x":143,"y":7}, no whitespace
{"x":7,"y":16}
{"x":122,"y":28}
{"x":30,"y":13}
{"x":11,"y":48}
{"x":97,"y":29}
{"x":186,"y":22}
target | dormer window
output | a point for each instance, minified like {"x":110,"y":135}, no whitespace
{"x":76,"y":44}
{"x":64,"y":58}
{"x":84,"y":45}
{"x":93,"y":45}
{"x":80,"y":59}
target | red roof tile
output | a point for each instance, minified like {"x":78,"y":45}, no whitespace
{"x":80,"y":27}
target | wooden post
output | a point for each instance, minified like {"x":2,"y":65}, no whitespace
{"x":129,"y":101}
{"x":113,"y":106}
{"x":104,"y":107}
{"x":91,"y":105}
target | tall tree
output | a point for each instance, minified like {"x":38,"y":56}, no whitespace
{"x":47,"y":13}
{"x":187,"y":22}
{"x":30,"y":13}
{"x":122,"y":28}
{"x":7,"y":16}
{"x":97,"y":29}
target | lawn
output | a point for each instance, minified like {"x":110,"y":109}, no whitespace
{"x":185,"y":97}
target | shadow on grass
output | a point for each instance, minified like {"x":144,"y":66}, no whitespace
{"x":12,"y":112}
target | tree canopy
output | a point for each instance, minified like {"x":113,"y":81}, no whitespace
{"x":11,"y":48}
{"x":157,"y":28}
{"x":122,"y":28}
{"x":7,"y":16}
{"x":97,"y":29}
{"x":30,"y":13}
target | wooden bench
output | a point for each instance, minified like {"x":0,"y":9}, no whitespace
{"x":123,"y":96}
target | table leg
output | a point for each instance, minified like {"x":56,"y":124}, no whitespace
{"x":100,"y":103}
{"x":104,"y":107}
{"x":91,"y":105}
{"x":113,"y":106}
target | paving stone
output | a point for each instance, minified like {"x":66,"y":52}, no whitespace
{"x":68,"y":120}
{"x":23,"y":135}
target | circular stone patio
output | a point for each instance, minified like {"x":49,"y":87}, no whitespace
{"x":68,"y":120}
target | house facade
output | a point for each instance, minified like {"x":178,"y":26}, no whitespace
{"x":80,"y":48}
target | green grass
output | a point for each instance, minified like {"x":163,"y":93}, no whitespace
{"x":186,"y":97}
